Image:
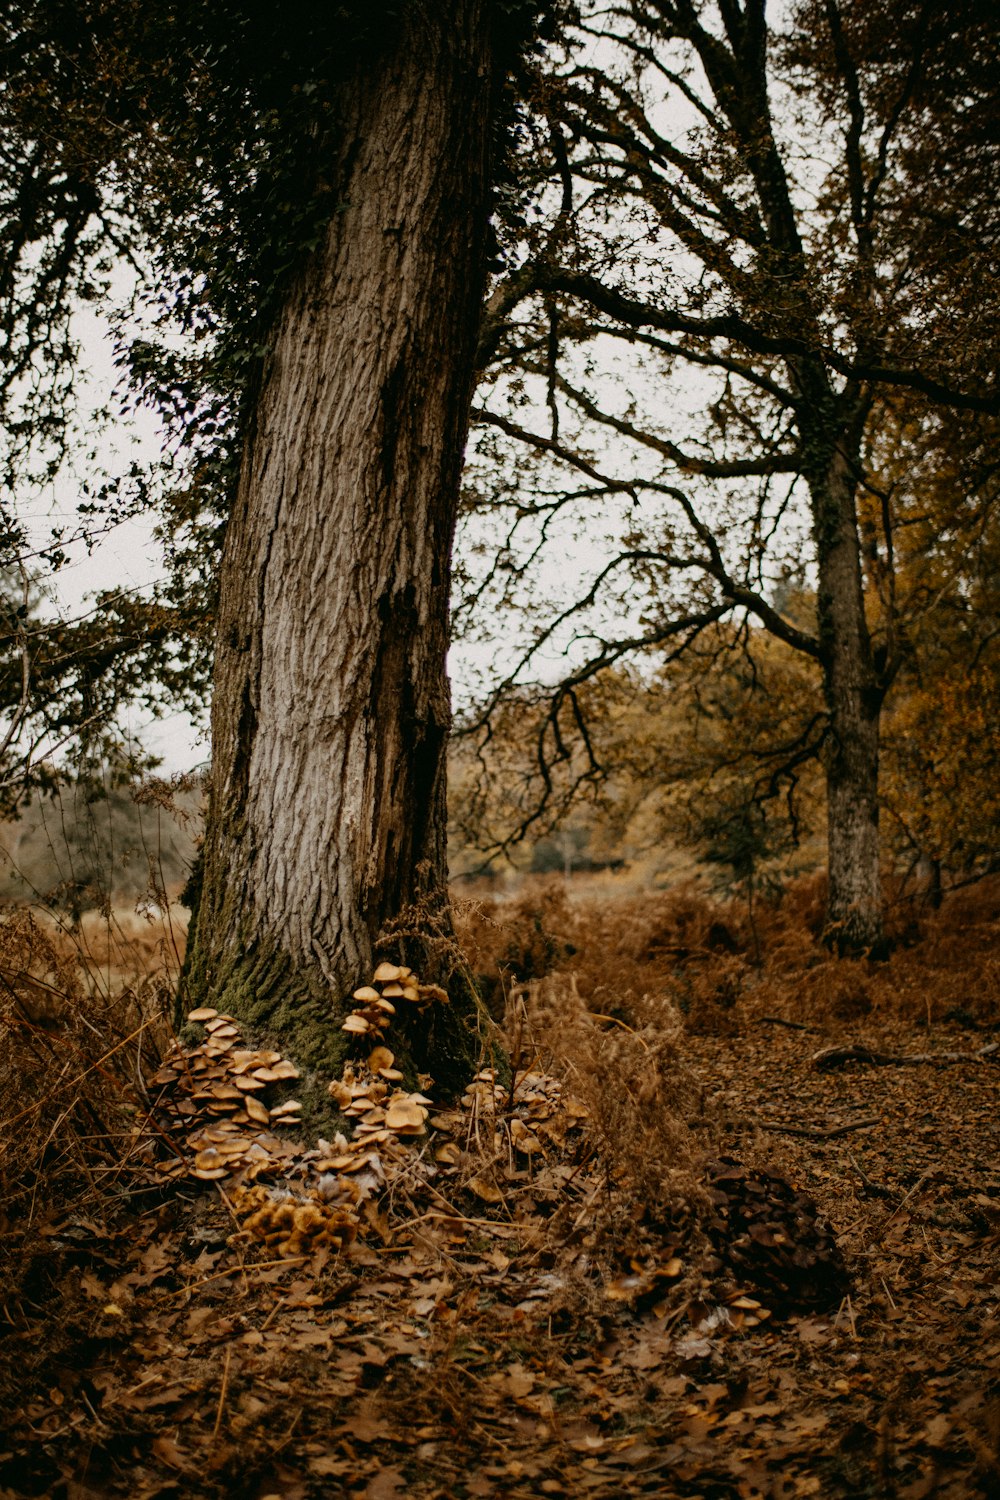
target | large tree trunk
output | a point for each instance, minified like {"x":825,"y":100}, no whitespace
{"x":331,"y":709}
{"x":854,"y":696}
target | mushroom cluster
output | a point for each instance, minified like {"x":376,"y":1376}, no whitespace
{"x":374,"y":1007}
{"x":216,"y":1109}
{"x":295,"y":1227}
{"x":363,"y":1094}
{"x":215,"y":1101}
{"x":363,"y":1091}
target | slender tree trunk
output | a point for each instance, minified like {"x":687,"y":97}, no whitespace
{"x":854,"y":698}
{"x":331,"y":708}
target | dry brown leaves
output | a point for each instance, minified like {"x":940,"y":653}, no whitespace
{"x":481,"y":1335}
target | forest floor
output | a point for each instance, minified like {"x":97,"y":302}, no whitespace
{"x":513,"y":1322}
{"x":156,"y":1357}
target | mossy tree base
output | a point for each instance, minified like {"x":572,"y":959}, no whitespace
{"x":294,"y":1009}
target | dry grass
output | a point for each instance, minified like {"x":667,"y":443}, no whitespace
{"x":640,"y":1097}
{"x":123,"y":948}
{"x":605,"y":988}
{"x":74,"y":1043}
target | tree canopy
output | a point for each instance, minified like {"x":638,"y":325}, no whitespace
{"x":738,"y":297}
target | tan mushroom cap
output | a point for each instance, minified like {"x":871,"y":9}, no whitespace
{"x":405,"y":1115}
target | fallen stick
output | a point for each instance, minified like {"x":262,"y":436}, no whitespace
{"x":835,"y":1057}
{"x":880,"y":1231}
{"x":792,"y":1025}
{"x":222,"y":1394}
{"x":821,"y":1132}
{"x":875,"y":1189}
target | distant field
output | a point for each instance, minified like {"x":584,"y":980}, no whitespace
{"x":74,"y":852}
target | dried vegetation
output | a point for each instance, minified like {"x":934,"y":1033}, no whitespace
{"x":613,"y":1272}
{"x":701,"y":954}
{"x":73,"y":1053}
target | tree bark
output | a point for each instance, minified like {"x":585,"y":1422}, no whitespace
{"x":331,"y":708}
{"x":854,"y":695}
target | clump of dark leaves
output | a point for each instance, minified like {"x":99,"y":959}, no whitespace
{"x":772,"y":1236}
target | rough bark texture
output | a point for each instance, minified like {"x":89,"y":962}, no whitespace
{"x":331,"y":709}
{"x":854,"y":698}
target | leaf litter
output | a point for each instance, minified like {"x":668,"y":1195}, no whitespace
{"x":469,"y":1300}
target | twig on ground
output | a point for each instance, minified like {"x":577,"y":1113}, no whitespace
{"x":222,"y":1393}
{"x":792,"y":1025}
{"x":902,"y":1204}
{"x":874,"y":1188}
{"x":835,"y":1057}
{"x":821,"y":1132}
{"x":260,"y":1265}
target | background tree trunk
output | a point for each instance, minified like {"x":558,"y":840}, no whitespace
{"x":854,"y":696}
{"x":331,"y":709}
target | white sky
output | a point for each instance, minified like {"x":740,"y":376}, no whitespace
{"x":128,"y":557}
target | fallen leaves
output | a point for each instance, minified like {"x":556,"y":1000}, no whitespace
{"x":453,"y":1343}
